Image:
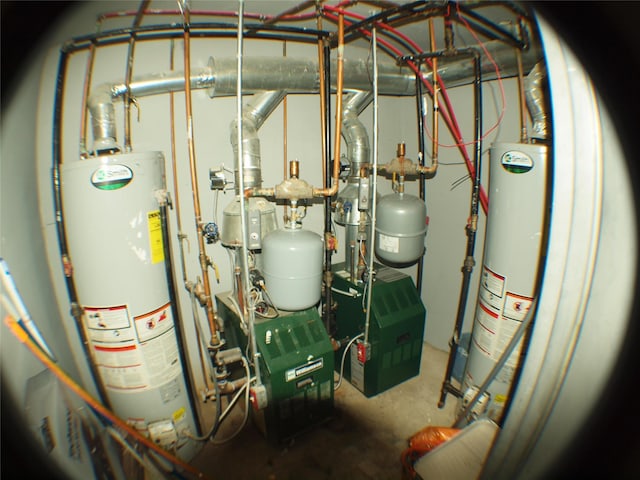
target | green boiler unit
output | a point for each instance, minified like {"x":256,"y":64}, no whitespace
{"x":396,"y":329}
{"x":296,"y":366}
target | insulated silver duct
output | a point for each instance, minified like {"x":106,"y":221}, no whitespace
{"x":253,"y":116}
{"x":347,"y":211}
{"x":534,"y":91}
{"x":103,"y":119}
{"x":294,"y":75}
{"x":354,"y":132}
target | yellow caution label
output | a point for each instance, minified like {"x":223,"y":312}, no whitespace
{"x":500,"y":398}
{"x":155,"y":236}
{"x":179,"y":414}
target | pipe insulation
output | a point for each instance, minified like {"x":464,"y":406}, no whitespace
{"x":534,"y":86}
{"x":294,"y":75}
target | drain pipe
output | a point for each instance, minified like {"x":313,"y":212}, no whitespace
{"x":241,"y":188}
{"x":205,"y":298}
{"x":472,"y":225}
{"x":374,"y":56}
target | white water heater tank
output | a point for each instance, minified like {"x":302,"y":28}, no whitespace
{"x":115,"y":240}
{"x":292,"y":267}
{"x":401,"y":225}
{"x":514,"y":238}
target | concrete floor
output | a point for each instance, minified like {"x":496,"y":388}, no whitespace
{"x":363,"y":440}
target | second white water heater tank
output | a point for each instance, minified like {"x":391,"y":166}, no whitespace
{"x":401,"y":225}
{"x":292,"y":267}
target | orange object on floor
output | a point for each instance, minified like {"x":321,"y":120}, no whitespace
{"x":422,"y":442}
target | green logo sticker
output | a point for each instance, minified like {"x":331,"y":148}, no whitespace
{"x":516,"y":162}
{"x":111,"y":177}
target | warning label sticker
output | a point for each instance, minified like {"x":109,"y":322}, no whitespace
{"x":121,"y":367}
{"x":492,"y":282}
{"x":154,"y":324}
{"x":485,"y":336}
{"x":498,"y":315}
{"x":109,"y":324}
{"x":389,"y":244}
{"x":159,"y":345}
{"x":100,"y":318}
{"x":516,"y":306}
{"x":138,"y":355}
{"x":162,"y":358}
{"x":155,"y":236}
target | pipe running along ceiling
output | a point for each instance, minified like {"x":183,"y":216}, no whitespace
{"x":294,"y":75}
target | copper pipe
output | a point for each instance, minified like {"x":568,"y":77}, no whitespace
{"x":294,"y":169}
{"x":129,"y":75}
{"x":127,"y":95}
{"x":174,"y":166}
{"x":523,"y":114}
{"x":259,"y":192}
{"x":231,"y":386}
{"x":211,"y":316}
{"x":329,"y":191}
{"x":431,"y":171}
{"x":239,"y":292}
{"x":85,"y":96}
{"x":172,"y":117}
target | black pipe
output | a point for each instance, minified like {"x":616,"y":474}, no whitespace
{"x":168,"y":35}
{"x":76,"y":309}
{"x":500,"y":32}
{"x":197,"y":29}
{"x":180,"y":337}
{"x":513,"y":6}
{"x":471,"y":228}
{"x":402,"y":11}
{"x":328,"y":297}
{"x":422,"y":180}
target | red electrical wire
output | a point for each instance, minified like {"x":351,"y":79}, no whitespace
{"x":448,"y":115}
{"x":495,"y":66}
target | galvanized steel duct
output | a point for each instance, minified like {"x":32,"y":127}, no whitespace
{"x":253,"y":116}
{"x":534,"y":91}
{"x":354,"y":132}
{"x":294,"y":75}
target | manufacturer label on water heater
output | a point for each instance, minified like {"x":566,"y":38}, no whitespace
{"x":111,"y":177}
{"x":516,"y":162}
